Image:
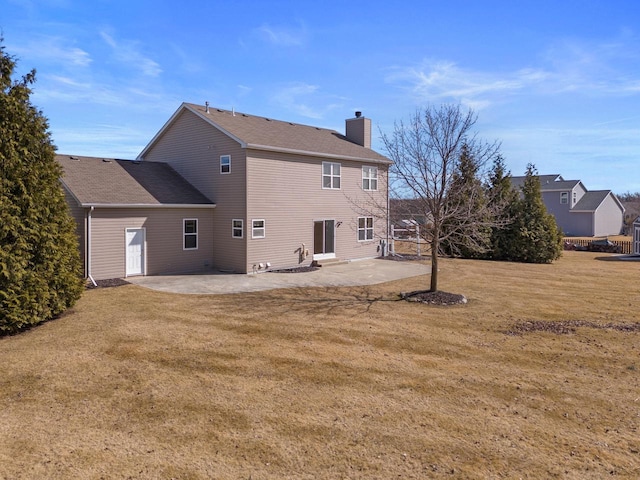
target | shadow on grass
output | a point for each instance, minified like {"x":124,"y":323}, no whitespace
{"x":619,"y":258}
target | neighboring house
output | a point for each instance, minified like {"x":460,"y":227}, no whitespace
{"x":578,"y":211}
{"x":250,"y":193}
{"x":636,"y":236}
{"x":407,"y":211}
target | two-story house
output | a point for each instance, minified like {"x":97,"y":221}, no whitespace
{"x":231,"y":191}
{"x":578,"y":211}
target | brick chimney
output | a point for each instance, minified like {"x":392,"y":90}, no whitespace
{"x":358,"y":130}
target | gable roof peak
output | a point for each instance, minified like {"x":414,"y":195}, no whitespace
{"x":266,"y":133}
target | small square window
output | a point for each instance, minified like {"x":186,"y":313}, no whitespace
{"x":365,"y":228}
{"x":331,"y":175}
{"x":225,"y":164}
{"x":237,"y":228}
{"x":257,"y":229}
{"x":190,"y":234}
{"x":370,"y":178}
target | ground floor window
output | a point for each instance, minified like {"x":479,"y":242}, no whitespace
{"x":190,"y":233}
{"x":365,"y":228}
{"x":237,"y":228}
{"x":257,"y":228}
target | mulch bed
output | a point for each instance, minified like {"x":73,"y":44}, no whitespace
{"x":565,"y":327}
{"x":404,"y":258}
{"x":295,"y":270}
{"x":110,"y":282}
{"x":434,"y":298}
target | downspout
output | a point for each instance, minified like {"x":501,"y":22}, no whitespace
{"x":386,"y":253}
{"x":88,"y":250}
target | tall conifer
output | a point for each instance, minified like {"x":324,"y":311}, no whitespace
{"x":40,"y":271}
{"x":534,"y":236}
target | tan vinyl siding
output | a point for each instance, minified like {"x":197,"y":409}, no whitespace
{"x":164,"y":253}
{"x":286,"y":191}
{"x":78,"y":215}
{"x":193,"y":148}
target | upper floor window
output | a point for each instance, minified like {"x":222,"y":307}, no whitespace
{"x":365,"y":228}
{"x":257,"y":229}
{"x":370,"y":178}
{"x":330,"y":175}
{"x":225,"y":164}
{"x":190,"y":233}
{"x":237,"y":228}
{"x":564,"y":197}
{"x":575,"y":198}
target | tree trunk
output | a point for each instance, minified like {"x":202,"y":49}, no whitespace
{"x":434,"y":264}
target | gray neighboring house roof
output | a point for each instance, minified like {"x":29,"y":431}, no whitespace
{"x":262,"y":133}
{"x":92,"y":182}
{"x":559,"y":185}
{"x":518,"y":182}
{"x":591,"y":200}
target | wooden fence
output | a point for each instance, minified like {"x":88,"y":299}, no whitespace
{"x":626,"y":246}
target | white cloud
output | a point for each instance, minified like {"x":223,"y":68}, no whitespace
{"x":446,"y":81}
{"x":608,"y":68}
{"x":53,"y":50}
{"x":305,"y":100}
{"x":283,"y":37}
{"x":127,"y":53}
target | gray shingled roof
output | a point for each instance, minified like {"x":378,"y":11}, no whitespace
{"x":590,"y":201}
{"x":96,"y":181}
{"x":276,"y":135}
{"x":560,"y":185}
{"x":518,"y":182}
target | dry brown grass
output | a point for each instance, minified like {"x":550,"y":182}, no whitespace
{"x":334,"y":383}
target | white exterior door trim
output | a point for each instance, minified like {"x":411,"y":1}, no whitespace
{"x":636,"y":238}
{"x":135,"y":248}
{"x":326,"y":242}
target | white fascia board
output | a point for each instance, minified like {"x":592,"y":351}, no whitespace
{"x":149,"y":205}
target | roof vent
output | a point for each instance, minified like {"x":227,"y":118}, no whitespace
{"x":206,"y":107}
{"x":106,"y":160}
{"x":358,"y":114}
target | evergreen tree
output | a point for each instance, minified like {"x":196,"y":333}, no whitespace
{"x":470,"y":198}
{"x":501,"y":192}
{"x":40,"y":271}
{"x":533,"y":236}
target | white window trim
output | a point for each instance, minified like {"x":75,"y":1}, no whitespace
{"x":370,"y":177}
{"x":365,"y":229}
{"x":564,"y":198}
{"x":184,"y":234}
{"x":254,"y":228}
{"x":234,"y":228}
{"x":221,"y":164}
{"x":332,"y":176}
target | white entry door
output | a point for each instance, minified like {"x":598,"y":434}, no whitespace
{"x":135,"y":251}
{"x":636,"y":239}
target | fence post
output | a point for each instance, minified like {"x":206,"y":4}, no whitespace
{"x":418,"y":235}
{"x":392,"y":247}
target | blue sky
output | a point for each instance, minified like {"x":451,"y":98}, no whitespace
{"x":557,"y":82}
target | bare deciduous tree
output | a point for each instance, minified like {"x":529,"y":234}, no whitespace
{"x":426,"y":153}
